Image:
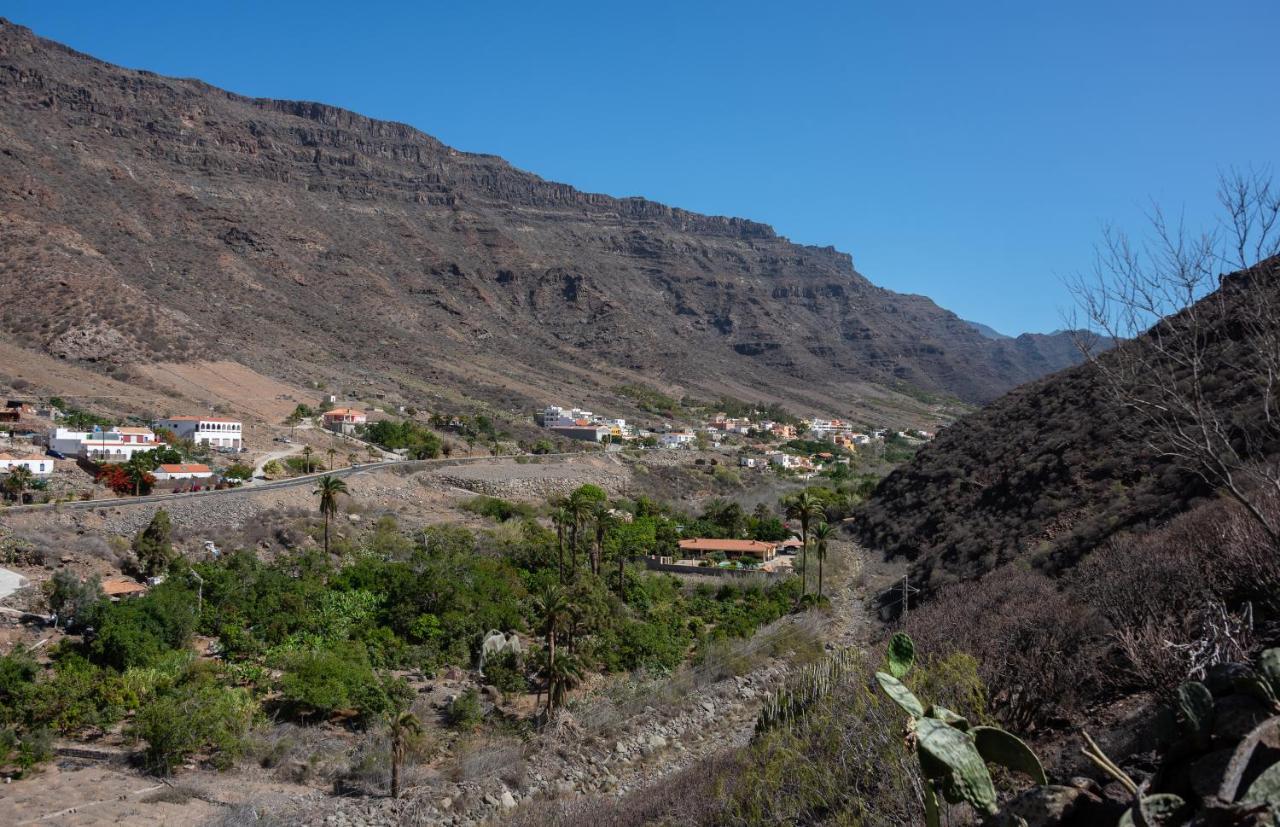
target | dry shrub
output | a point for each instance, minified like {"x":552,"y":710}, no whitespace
{"x":1036,"y":645}
{"x":484,"y":756}
{"x":1182,"y":598}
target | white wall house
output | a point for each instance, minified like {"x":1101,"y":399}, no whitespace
{"x":37,"y":465}
{"x":117,"y":444}
{"x":183,"y":471}
{"x":675,"y":439}
{"x":212,"y":431}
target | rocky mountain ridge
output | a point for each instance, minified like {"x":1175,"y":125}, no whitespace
{"x":153,"y":219}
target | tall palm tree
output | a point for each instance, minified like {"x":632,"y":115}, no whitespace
{"x":306,"y":455}
{"x":804,"y":507}
{"x":579,"y":508}
{"x":331,"y":453}
{"x":18,"y":481}
{"x":328,"y":488}
{"x":404,"y":725}
{"x":351,"y":460}
{"x":822,"y":532}
{"x":560,"y":517}
{"x":553,"y":609}
{"x":603,"y":520}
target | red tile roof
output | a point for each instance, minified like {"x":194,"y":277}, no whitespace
{"x":703,"y":544}
{"x":118,"y":586}
{"x":185,"y":468}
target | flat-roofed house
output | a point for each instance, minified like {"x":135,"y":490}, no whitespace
{"x":39,"y":466}
{"x":213,"y":431}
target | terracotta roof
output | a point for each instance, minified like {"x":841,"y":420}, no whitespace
{"x":736,"y":546}
{"x":132,"y":430}
{"x":118,"y":586}
{"x":792,"y":542}
{"x":344,"y":412}
{"x":185,"y":468}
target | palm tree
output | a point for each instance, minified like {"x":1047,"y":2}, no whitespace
{"x":331,"y":452}
{"x":328,"y":488}
{"x":403,"y":725}
{"x":351,"y":460}
{"x":306,"y":455}
{"x":822,"y":532}
{"x":18,"y":481}
{"x":580,"y":507}
{"x":804,"y":507}
{"x":560,"y":517}
{"x":553,"y":608}
{"x":604,"y":519}
{"x":562,"y":675}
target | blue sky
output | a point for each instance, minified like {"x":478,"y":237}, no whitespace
{"x":970,"y":152}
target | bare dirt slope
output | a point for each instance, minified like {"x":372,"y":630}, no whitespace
{"x":150,"y":219}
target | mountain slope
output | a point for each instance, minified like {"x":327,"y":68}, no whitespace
{"x":1054,"y":468}
{"x":145,"y":218}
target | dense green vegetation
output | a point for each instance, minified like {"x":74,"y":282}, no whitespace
{"x":334,"y":627}
{"x":420,"y":442}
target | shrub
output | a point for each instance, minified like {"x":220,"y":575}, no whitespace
{"x":320,"y":682}
{"x":465,"y":711}
{"x":73,"y":600}
{"x":136,"y":632}
{"x":505,"y":673}
{"x":153,"y":546}
{"x":497,"y":508}
{"x":1008,"y":621}
{"x":197,"y":716}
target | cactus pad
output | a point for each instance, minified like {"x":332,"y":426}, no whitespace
{"x":902,"y":654}
{"x":999,"y":747}
{"x":949,"y":756}
{"x":900,"y":695}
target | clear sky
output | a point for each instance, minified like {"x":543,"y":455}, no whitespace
{"x":967,"y":151}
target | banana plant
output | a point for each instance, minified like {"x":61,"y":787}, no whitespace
{"x":953,"y":753}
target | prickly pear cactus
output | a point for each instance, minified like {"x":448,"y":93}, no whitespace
{"x":900,"y":695}
{"x":999,"y":747}
{"x":951,"y":758}
{"x":901,"y":654}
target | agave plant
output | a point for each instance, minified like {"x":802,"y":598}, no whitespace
{"x":953,"y":753}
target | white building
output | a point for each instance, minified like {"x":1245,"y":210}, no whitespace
{"x":183,"y":471}
{"x":676,"y":439}
{"x":212,"y":431}
{"x":36,"y":464}
{"x":116,"y":444}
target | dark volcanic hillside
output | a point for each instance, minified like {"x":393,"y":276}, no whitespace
{"x":148,"y":218}
{"x":1054,"y":468}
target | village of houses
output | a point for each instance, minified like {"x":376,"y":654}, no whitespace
{"x":213,"y":452}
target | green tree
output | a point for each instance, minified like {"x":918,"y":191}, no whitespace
{"x":328,"y":488}
{"x":822,"y":533}
{"x":331,"y":452}
{"x":72,"y":600}
{"x":804,"y":507}
{"x":153,"y":545}
{"x":18,"y":481}
{"x":306,"y":456}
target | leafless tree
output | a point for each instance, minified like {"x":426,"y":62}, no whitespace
{"x":1194,"y":354}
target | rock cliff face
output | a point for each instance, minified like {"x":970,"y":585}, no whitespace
{"x":149,"y":218}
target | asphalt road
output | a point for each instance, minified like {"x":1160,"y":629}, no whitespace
{"x":292,"y":482}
